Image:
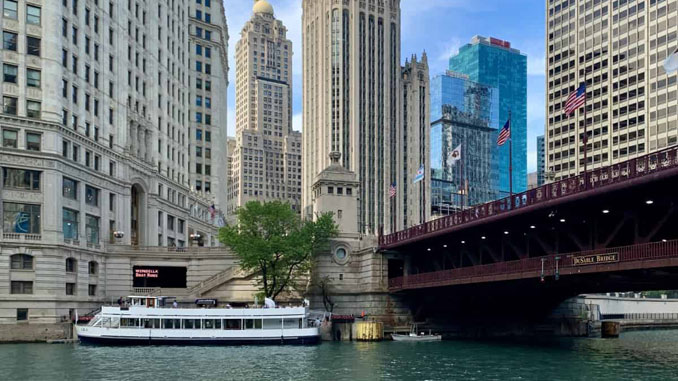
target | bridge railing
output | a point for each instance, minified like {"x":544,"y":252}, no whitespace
{"x":597,"y":178}
{"x":647,"y":251}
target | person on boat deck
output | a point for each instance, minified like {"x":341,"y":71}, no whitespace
{"x":174,"y":304}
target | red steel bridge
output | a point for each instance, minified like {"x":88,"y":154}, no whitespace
{"x":613,"y":229}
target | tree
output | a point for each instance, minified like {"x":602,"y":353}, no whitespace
{"x":273,"y":241}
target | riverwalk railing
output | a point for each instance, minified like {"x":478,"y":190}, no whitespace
{"x":597,"y":179}
{"x":632,"y":253}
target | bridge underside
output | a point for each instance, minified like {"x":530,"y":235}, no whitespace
{"x":530,"y":298}
{"x":629,"y":216}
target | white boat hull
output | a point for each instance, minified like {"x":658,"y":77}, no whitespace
{"x":414,"y":339}
{"x":143,"y":336}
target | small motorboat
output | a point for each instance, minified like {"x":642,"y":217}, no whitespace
{"x":414,"y":337}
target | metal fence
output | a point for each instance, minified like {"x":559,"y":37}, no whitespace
{"x":549,"y":264}
{"x":597,"y":178}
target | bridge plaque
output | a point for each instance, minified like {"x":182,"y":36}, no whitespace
{"x":595,"y":259}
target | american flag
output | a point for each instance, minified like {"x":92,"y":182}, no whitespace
{"x":392,"y":190}
{"x":504,"y":134}
{"x":212,"y":210}
{"x":576,"y":99}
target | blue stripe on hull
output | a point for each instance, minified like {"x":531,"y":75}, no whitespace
{"x":310,"y":340}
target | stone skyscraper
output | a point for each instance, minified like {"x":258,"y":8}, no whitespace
{"x":100,"y":100}
{"x":412,"y":145}
{"x":352,"y":102}
{"x":617,"y":48}
{"x":266,"y":158}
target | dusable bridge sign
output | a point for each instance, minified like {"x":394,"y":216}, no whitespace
{"x":595,"y":259}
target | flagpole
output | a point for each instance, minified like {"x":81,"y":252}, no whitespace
{"x":510,"y":159}
{"x":586,"y":138}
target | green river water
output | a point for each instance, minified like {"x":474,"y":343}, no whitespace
{"x":651,"y":355}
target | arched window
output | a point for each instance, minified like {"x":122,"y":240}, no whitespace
{"x":21,"y":262}
{"x":71,"y":265}
{"x":93,"y":268}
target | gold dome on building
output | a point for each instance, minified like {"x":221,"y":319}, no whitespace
{"x":262,"y":6}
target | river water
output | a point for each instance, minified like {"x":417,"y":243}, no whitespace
{"x":651,"y":355}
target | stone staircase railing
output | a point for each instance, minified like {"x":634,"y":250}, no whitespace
{"x":227,"y":275}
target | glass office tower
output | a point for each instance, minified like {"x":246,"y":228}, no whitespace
{"x":463,"y":113}
{"x":493,"y":62}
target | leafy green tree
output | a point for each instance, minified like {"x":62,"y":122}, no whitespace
{"x":273,"y":241}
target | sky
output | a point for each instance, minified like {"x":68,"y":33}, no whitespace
{"x":438,"y":27}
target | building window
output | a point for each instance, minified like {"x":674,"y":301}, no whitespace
{"x":21,"y":314}
{"x":33,"y":141}
{"x":32,"y":15}
{"x":71,"y":265}
{"x":21,"y":287}
{"x":33,"y":78}
{"x":9,"y":105}
{"x":33,"y":46}
{"x":21,"y":218}
{"x":91,"y":196}
{"x":20,"y":179}
{"x":33,"y":109}
{"x":92,"y":229}
{"x":93,"y":268}
{"x":92,"y":290}
{"x":10,"y":73}
{"x":170,"y":223}
{"x":70,"y":288}
{"x":330,"y":190}
{"x":70,"y":189}
{"x":9,"y":9}
{"x":111,"y":202}
{"x":71,"y":225}
{"x":21,"y":262}
{"x":9,"y":41}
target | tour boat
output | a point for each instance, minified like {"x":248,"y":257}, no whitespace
{"x":151,"y":320}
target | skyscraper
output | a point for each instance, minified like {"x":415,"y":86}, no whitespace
{"x":410,"y":205}
{"x":208,"y":42}
{"x":464,"y":114}
{"x":541,"y":168}
{"x":351,"y":55}
{"x":493,"y":62}
{"x":96,"y":141}
{"x":617,"y":48}
{"x":266,"y":158}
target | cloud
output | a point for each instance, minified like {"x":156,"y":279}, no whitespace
{"x":536,"y":65}
{"x":409,"y":7}
{"x":297,"y":120}
{"x":230,"y":127}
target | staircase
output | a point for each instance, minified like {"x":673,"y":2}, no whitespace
{"x":216,"y":280}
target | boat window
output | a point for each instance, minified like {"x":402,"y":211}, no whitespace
{"x":177,"y":323}
{"x":292,"y":323}
{"x":196,"y":323}
{"x":151,"y":323}
{"x":168,"y":323}
{"x":128,"y":322}
{"x":188,"y":323}
{"x":252,"y":323}
{"x":208,"y":323}
{"x":272,"y":323}
{"x":217,"y":324}
{"x":233,"y":324}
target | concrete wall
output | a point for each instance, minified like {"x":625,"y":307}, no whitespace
{"x":610,"y":305}
{"x":358,"y":283}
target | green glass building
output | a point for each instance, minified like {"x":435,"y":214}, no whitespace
{"x":493,"y":62}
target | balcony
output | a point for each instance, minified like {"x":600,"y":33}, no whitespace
{"x":21,"y":237}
